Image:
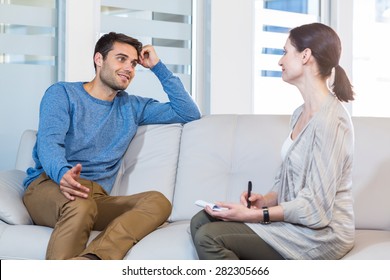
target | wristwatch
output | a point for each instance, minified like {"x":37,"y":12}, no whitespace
{"x":266,"y":219}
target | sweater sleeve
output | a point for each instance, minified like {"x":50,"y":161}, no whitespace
{"x":181,"y":108}
{"x":54,"y":121}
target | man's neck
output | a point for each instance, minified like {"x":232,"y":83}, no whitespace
{"x":99,"y":91}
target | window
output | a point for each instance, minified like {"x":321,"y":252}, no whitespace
{"x":371,"y":76}
{"x":273,"y":20}
{"x":28,"y":53}
{"x":18,"y":30}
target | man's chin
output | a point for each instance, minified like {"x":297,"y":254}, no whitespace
{"x":121,"y":87}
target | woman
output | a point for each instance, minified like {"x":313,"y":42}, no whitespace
{"x":308,"y":213}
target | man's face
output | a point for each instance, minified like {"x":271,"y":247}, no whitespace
{"x":118,"y":69}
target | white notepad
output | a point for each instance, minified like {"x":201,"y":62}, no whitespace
{"x":213,"y":206}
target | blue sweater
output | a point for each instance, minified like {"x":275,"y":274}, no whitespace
{"x":75,"y":127}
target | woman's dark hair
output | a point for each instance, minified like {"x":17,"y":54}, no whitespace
{"x":325,"y":46}
{"x":106,"y":42}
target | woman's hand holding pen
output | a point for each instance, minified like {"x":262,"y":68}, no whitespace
{"x":257,"y":201}
{"x":239,"y":212}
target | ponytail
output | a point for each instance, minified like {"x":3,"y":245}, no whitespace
{"x":342,"y":87}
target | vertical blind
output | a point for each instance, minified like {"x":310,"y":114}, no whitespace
{"x":28,"y":52}
{"x":167,"y":25}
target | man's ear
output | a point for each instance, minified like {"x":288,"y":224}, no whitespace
{"x":98,"y":59}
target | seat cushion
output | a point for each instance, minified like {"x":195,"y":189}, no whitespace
{"x":370,"y":245}
{"x":23,"y":242}
{"x":170,"y":242}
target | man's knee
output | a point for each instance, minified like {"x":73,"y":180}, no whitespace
{"x":159,"y":203}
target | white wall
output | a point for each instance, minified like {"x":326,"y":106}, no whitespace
{"x":81,"y":29}
{"x":231,"y":56}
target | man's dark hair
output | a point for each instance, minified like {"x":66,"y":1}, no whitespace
{"x":106,"y":42}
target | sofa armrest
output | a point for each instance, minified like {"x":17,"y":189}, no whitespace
{"x":12,"y":209}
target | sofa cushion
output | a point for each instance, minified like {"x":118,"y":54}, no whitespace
{"x":170,"y":242}
{"x":12,"y":210}
{"x":150,"y":162}
{"x":23,"y":242}
{"x":370,"y":244}
{"x":218,"y":157}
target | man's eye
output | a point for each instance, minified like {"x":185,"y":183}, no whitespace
{"x":134,"y":64}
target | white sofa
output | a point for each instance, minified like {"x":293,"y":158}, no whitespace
{"x":210,"y":159}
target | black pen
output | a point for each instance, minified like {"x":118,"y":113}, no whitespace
{"x":249,"y":194}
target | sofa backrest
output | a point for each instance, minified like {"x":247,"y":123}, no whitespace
{"x":371,"y":174}
{"x":219,"y":154}
{"x":24,"y":158}
{"x":214,"y":158}
{"x":150,"y":162}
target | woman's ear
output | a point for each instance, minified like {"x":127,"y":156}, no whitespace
{"x":306,"y":54}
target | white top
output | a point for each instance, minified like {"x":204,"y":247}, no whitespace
{"x":286,"y":146}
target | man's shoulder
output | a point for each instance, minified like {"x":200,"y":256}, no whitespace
{"x":65,"y":87}
{"x":62,"y":84}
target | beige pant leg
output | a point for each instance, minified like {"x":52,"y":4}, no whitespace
{"x":72,"y":220}
{"x":124,"y":220}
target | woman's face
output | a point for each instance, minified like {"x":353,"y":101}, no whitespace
{"x":291,"y":63}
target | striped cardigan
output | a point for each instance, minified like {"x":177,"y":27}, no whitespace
{"x":314,"y":188}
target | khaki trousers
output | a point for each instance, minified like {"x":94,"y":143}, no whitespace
{"x":122,"y":220}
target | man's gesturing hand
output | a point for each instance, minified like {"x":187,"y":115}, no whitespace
{"x":69,"y":185}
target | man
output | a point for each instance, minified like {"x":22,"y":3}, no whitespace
{"x":84,"y":130}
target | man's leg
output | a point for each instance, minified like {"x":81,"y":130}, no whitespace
{"x":219,"y":240}
{"x":72,"y":220}
{"x":124,"y":220}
